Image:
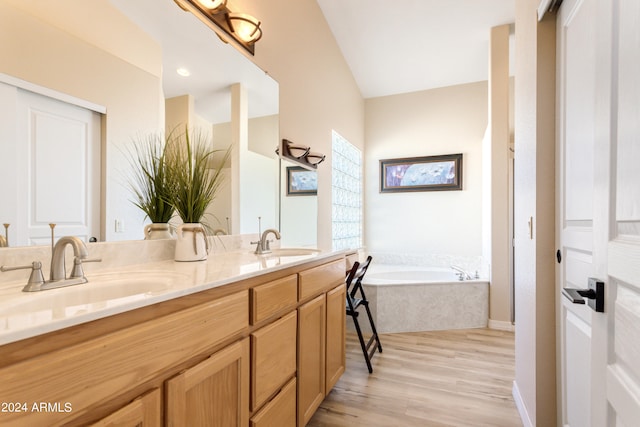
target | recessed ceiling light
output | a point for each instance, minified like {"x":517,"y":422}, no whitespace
{"x":183,"y":72}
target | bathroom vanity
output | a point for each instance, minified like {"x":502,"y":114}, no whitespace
{"x":230,"y":349}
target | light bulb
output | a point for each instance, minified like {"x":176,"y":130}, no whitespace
{"x":212,"y":4}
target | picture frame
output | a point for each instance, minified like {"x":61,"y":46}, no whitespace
{"x":301,"y":181}
{"x":427,"y":173}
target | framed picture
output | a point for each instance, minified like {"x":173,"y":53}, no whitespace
{"x":431,"y":173}
{"x":301,"y":181}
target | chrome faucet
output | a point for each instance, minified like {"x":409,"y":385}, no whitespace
{"x":58,"y":276}
{"x":219,"y":232}
{"x":58,"y":270}
{"x":462,"y":274}
{"x":263,"y":244}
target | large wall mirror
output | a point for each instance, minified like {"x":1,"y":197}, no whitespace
{"x":119,"y":60}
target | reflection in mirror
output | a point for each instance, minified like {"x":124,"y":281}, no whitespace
{"x":118,"y":59}
{"x":298,"y":213}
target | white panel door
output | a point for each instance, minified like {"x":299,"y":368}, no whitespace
{"x":623,"y":346}
{"x":59,"y":176}
{"x":599,"y":209}
{"x":576,"y":80}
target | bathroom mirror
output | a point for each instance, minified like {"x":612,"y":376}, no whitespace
{"x":119,"y":59}
{"x":298,"y":213}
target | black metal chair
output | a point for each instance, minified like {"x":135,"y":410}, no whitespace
{"x":356,"y":298}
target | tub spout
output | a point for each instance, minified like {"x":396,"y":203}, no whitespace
{"x":462,"y":274}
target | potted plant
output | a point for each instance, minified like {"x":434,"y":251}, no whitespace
{"x":149,"y":184}
{"x":194,"y":185}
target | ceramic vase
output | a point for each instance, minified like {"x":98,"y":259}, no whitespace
{"x":157,"y":230}
{"x":191,"y":243}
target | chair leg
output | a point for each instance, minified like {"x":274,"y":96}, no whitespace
{"x":362,"y":343}
{"x":373,"y":327}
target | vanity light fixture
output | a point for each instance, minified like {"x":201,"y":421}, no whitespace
{"x":315,"y":158}
{"x":297,"y":151}
{"x":242,"y":28}
{"x":300,"y":154}
{"x":212,"y":4}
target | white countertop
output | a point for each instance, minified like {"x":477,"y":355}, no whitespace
{"x":28,"y":314}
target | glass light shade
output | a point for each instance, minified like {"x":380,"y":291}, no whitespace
{"x":245,"y":27}
{"x":297,"y":151}
{"x":212,"y":4}
{"x":315,"y":158}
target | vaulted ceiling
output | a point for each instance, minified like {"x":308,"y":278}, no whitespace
{"x":409,"y":45}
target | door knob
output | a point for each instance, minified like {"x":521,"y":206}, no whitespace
{"x":594,"y":294}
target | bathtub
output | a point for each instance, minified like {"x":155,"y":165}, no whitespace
{"x":406,"y":298}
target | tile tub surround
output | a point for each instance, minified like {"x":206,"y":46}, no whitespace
{"x":27,"y":314}
{"x":429,"y":307}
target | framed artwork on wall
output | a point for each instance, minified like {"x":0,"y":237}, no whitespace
{"x":428,"y":173}
{"x":301,"y":181}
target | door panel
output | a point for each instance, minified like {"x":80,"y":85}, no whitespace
{"x":577,"y":350}
{"x":623,"y":368}
{"x":610,"y":240}
{"x":576,"y":171}
{"x":56,"y":137}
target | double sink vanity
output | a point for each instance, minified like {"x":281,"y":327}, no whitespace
{"x":240,"y":339}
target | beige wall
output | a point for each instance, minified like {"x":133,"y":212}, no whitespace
{"x":317,"y":91}
{"x":440,"y":121}
{"x":534,"y":387}
{"x":62,"y":60}
{"x":496,"y":199}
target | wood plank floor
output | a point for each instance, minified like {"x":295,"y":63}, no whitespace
{"x":440,"y":378}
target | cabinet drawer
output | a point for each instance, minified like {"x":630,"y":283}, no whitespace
{"x":273,"y":358}
{"x":281,"y":411}
{"x":316,"y":280}
{"x":145,"y":411}
{"x":273,"y":297}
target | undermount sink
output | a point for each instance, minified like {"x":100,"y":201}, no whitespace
{"x":105,"y":289}
{"x":284,"y":252}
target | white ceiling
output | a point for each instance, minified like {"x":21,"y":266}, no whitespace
{"x":410,"y":45}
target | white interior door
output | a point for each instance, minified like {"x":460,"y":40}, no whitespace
{"x":575,"y":205}
{"x":599,"y":209}
{"x":58,"y":169}
{"x":623,"y":345}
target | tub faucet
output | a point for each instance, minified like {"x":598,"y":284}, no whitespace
{"x":263,"y":245}
{"x":462,"y":274}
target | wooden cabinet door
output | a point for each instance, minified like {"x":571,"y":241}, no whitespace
{"x":280,"y":411}
{"x":273,"y":358}
{"x":213,"y":393}
{"x":142,"y":412}
{"x":336,"y":336}
{"x":311,"y":357}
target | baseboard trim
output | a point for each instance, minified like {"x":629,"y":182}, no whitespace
{"x":522,"y":410}
{"x":501,"y":325}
